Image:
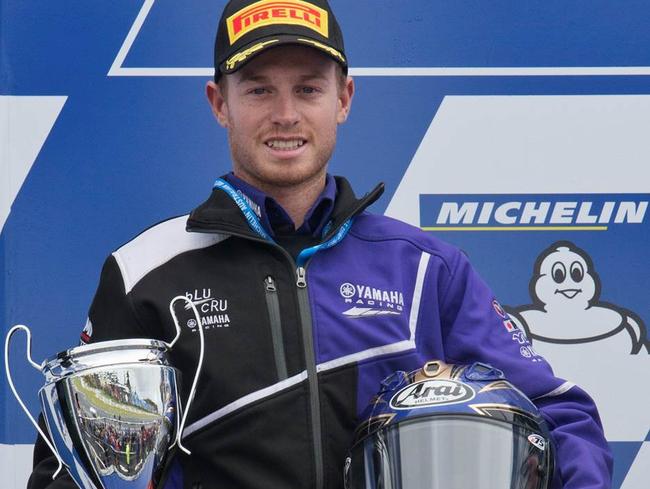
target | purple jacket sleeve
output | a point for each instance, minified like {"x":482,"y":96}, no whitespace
{"x":475,"y":328}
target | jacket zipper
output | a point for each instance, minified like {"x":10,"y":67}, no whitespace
{"x":312,"y":374}
{"x":273,"y":307}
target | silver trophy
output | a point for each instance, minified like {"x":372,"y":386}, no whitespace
{"x":112,"y":408}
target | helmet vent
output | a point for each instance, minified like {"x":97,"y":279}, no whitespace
{"x":431,"y":369}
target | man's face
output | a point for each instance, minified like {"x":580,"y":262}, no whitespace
{"x":281,"y":111}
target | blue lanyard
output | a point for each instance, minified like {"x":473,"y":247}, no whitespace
{"x":250,"y":216}
{"x":307,"y":253}
{"x":256,"y":225}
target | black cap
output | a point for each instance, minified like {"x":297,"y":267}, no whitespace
{"x":248,"y":27}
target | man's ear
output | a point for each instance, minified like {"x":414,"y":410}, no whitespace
{"x":345,"y":100}
{"x":217,"y":101}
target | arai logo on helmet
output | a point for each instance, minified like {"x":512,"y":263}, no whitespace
{"x":537,"y":440}
{"x":432,"y":393}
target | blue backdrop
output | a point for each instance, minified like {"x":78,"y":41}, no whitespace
{"x":457,"y":102}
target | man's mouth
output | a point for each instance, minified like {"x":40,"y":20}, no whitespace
{"x":568,"y":293}
{"x":285,"y":144}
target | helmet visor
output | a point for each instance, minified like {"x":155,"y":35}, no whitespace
{"x":450,"y":452}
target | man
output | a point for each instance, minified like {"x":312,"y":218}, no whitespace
{"x":307,"y":301}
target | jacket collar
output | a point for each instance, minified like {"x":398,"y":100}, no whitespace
{"x":220,"y":214}
{"x":275,"y":219}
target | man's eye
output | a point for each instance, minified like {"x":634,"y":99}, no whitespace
{"x":308,"y":90}
{"x":258,"y":91}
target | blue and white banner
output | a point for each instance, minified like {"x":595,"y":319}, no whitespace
{"x":516,"y":130}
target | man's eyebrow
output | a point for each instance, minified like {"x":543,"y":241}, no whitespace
{"x":252,"y":78}
{"x":315,"y":76}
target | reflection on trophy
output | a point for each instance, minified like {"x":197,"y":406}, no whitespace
{"x":111,"y":408}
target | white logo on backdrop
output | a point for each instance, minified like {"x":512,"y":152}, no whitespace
{"x":566,"y":308}
{"x":594,"y":343}
{"x":25,"y":123}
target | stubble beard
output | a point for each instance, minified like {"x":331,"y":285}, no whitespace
{"x":267,"y":176}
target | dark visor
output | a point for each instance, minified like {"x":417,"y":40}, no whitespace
{"x":450,"y":452}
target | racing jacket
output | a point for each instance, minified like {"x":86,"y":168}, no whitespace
{"x":296,"y":349}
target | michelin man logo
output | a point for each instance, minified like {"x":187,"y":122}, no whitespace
{"x":590,"y":342}
{"x":567,"y":309}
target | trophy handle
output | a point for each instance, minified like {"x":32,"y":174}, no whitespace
{"x":15,"y":392}
{"x":198,"y":367}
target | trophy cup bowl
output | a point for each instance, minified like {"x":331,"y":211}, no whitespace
{"x":111,"y":409}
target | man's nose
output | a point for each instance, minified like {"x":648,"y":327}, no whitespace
{"x":285,"y":110}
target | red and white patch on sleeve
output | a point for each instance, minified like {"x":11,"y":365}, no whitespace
{"x":499,"y":310}
{"x":86,"y":334}
{"x":509,"y":325}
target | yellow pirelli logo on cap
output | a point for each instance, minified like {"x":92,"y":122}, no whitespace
{"x":276,"y":12}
